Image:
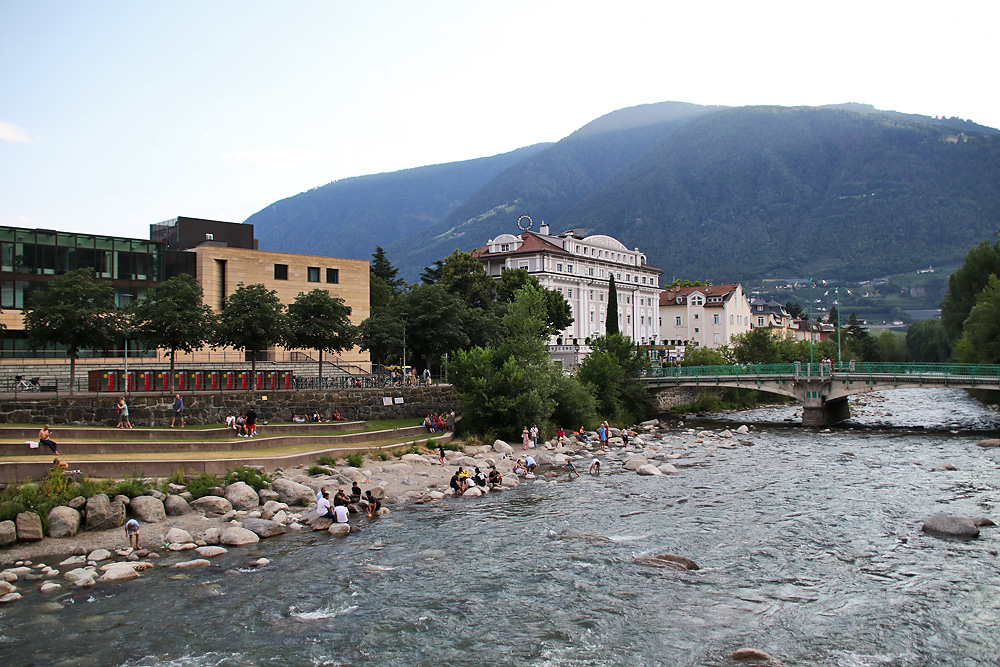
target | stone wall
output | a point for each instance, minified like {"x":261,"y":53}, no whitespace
{"x":212,"y":408}
{"x":668,"y":399}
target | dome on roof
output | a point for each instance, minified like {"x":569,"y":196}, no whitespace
{"x":506,"y":238}
{"x":605,"y":242}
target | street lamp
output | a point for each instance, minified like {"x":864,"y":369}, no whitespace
{"x":126,"y":329}
{"x":402,"y":370}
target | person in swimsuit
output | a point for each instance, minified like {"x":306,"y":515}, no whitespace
{"x":44,"y":438}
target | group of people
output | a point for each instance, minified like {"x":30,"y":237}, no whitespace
{"x":529,"y":437}
{"x":337,"y":509}
{"x":301,"y":419}
{"x":463,"y":480}
{"x":435,"y":422}
{"x":244,"y":425}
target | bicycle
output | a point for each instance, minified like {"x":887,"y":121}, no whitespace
{"x":21,"y":384}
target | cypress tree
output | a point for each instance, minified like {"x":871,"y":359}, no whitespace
{"x":611,"y":321}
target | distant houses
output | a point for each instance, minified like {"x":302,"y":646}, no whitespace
{"x":704,"y":316}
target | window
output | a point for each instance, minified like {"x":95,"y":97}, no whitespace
{"x":730,"y":319}
{"x":601,"y":296}
{"x":696,"y":330}
{"x":760,"y":321}
{"x":697,"y":316}
{"x":312,"y":274}
{"x":504,"y":247}
{"x":569,"y":292}
{"x":590,"y":271}
{"x":718,"y":338}
{"x":591,"y":316}
{"x":591,"y":295}
{"x":677,"y":321}
{"x":281,"y":272}
{"x":569,"y":268}
{"x":559,"y":267}
{"x":716,"y":319}
{"x":333,"y":275}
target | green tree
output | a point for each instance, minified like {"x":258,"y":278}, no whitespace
{"x":966,"y":283}
{"x":253,"y":320}
{"x":464,"y":276}
{"x":980,"y":341}
{"x":756,"y":346}
{"x":559,"y":314}
{"x":794,"y":309}
{"x":73,"y":311}
{"x":432,"y":274}
{"x":889,"y":347}
{"x":706,"y":356}
{"x":928,"y":342}
{"x":318,"y":321}
{"x":173,"y":317}
{"x":614,"y":370}
{"x":382,"y":268}
{"x":833,"y":317}
{"x":611,"y":320}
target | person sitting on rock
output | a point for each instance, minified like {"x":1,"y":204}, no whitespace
{"x":374,"y":504}
{"x":323,"y":509}
{"x":519,"y":468}
{"x":480,"y":477}
{"x":316,"y":417}
{"x":456,"y":483}
{"x":529,"y":463}
{"x":341,"y":499}
{"x":340,"y":514}
{"x":495,"y":478}
{"x":59,"y":466}
{"x":355,"y":493}
{"x":231,"y":420}
{"x":337,"y":417}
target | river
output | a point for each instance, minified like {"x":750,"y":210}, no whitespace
{"x":809,"y":544}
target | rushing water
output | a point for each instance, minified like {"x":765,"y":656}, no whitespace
{"x":808,"y":542}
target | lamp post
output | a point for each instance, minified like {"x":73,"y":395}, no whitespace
{"x":402,"y":370}
{"x":126,"y":330}
{"x":810,"y":323}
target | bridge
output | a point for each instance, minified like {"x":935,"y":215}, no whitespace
{"x":823,"y":388}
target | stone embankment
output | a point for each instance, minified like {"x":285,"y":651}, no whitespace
{"x":212,"y":407}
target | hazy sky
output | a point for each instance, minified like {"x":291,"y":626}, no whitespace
{"x":114,"y":115}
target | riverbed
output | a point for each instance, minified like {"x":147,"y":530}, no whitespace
{"x":809,"y":546}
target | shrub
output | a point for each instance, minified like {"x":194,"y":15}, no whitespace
{"x":454,"y":446}
{"x":327,"y":460}
{"x":356,"y":460}
{"x":414,"y":448}
{"x":317,"y":470}
{"x":131,"y":487}
{"x":383,"y":455}
{"x":176,"y":477}
{"x":430,"y":444}
{"x":251,"y":477}
{"x":201,"y":484}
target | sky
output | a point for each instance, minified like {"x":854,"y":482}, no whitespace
{"x":118,"y":114}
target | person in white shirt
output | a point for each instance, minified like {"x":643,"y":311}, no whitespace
{"x":340,"y":514}
{"x":323,"y":507}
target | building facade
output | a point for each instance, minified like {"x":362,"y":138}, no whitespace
{"x":704,"y":316}
{"x":219,"y":254}
{"x":580,"y":268}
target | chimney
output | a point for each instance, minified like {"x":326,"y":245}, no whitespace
{"x":543,"y":229}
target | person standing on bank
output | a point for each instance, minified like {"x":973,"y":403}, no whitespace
{"x":178,"y":410}
{"x":45,"y":438}
{"x":251,"y":422}
{"x":123,"y":421}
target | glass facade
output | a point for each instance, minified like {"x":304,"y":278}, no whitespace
{"x":30,"y":258}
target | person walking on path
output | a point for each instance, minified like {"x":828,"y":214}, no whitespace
{"x":534,"y":436}
{"x":441,"y":452}
{"x":123,"y":421}
{"x":178,"y":410}
{"x":45,"y":438}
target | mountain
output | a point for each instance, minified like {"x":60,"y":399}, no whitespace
{"x":706,"y":192}
{"x":761,"y":191}
{"x":326,"y":219}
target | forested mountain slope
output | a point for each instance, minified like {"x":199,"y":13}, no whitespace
{"x":347,"y":218}
{"x":802,"y":191}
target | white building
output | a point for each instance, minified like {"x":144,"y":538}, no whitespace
{"x":581,"y":268}
{"x":706,"y":316}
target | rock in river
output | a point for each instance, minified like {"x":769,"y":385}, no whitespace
{"x":667,"y":560}
{"x":943,"y":525}
{"x":238,"y":537}
{"x":263,"y":527}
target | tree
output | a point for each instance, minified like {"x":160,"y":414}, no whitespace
{"x":464,"y":276}
{"x":966,"y":283}
{"x":173,"y":317}
{"x":794,"y":309}
{"x":611,"y":320}
{"x":386,"y":272}
{"x":980,"y":342}
{"x":432,"y":274}
{"x":833,"y":318}
{"x":559,"y":314}
{"x":320,"y":322}
{"x":613,"y":369}
{"x":253,"y":320}
{"x":756,"y":346}
{"x":73,"y":311}
{"x":927,"y":341}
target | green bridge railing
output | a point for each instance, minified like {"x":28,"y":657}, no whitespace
{"x":912,"y":372}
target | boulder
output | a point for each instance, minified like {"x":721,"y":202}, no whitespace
{"x":263,"y":527}
{"x":63,"y":521}
{"x":103,"y":514}
{"x":415,"y":459}
{"x":210,"y":551}
{"x":77,"y":503}
{"x":7,"y":587}
{"x":667,"y":560}
{"x":242,"y":496}
{"x":8,"y":533}
{"x":177,"y":536}
{"x":667,"y":469}
{"x":197,"y":562}
{"x":176,"y":506}
{"x":293,"y":493}
{"x":267,"y":494}
{"x":756,"y":655}
{"x":274,"y":506}
{"x":98,"y":555}
{"x":212,"y":535}
{"x":148,"y":509}
{"x":156,"y":493}
{"x":234,"y":536}
{"x":649,"y":469}
{"x":943,"y":525}
{"x":743,"y":430}
{"x":79,"y":573}
{"x":50,"y":586}
{"x":120,"y":571}
{"x":321,"y":523}
{"x":501,"y":447}
{"x":10,"y":597}
{"x":989,"y":444}
{"x":982,"y":521}
{"x":340,"y":529}
{"x":29,"y":527}
{"x":635,"y":462}
{"x":212,"y":504}
{"x":280,"y":517}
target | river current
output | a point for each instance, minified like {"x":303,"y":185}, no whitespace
{"x":809,"y":545}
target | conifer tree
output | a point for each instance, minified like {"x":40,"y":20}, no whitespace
{"x":611,"y":321}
